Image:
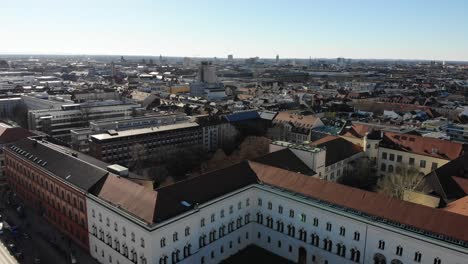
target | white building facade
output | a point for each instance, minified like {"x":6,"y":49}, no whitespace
{"x":299,"y":228}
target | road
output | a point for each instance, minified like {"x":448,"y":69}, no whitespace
{"x":5,"y":257}
{"x":43,"y":241}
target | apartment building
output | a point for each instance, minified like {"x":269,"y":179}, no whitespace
{"x":54,"y":182}
{"x":425,"y":154}
{"x":330,"y":157}
{"x":298,"y":217}
{"x":293,"y":127}
{"x":118,"y":146}
{"x":301,"y":218}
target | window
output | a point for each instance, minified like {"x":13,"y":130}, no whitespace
{"x":437,"y":261}
{"x":202,"y":222}
{"x":329,"y":226}
{"x":107,"y":221}
{"x":280,"y":209}
{"x":357,"y":236}
{"x":422,"y":163}
{"x":417,"y":256}
{"x":390,"y":168}
{"x":231,"y":209}
{"x":384,"y":155}
{"x":279,"y":243}
{"x":100,"y":217}
{"x":342,"y":231}
{"x":133,"y":236}
{"x":142,"y":242}
{"x":247,"y":202}
{"x":175,"y":237}
{"x":163,"y":242}
{"x":239,"y":205}
{"x":383,"y":167}
{"x":399,"y":251}
{"x":270,"y":205}
{"x":434,"y":165}
{"x":303,"y":218}
{"x":411,"y":161}
{"x":259,"y":202}
{"x":291,"y":213}
{"x":382,"y":244}
{"x":124,"y":231}
{"x":392,"y":157}
{"x":187,"y":231}
{"x":222,"y":213}
{"x":399,"y":158}
{"x":116,"y":228}
{"x":93,"y":213}
{"x":315,"y":221}
{"x":212,"y":218}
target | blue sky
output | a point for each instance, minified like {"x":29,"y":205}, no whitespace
{"x":398,"y":29}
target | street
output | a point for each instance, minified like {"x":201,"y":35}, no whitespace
{"x":37,"y":239}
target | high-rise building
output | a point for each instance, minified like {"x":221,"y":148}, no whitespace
{"x":207,"y":73}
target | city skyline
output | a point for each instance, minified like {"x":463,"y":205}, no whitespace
{"x":420,"y":30}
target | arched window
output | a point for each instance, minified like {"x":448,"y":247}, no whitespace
{"x":163,"y":242}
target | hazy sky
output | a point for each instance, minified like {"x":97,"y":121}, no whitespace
{"x":407,"y":29}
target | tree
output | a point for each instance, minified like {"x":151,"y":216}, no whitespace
{"x":138,"y":156}
{"x":406,"y":178}
{"x":361,"y":175}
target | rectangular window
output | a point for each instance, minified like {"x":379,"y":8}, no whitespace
{"x":384,"y":155}
{"x":411,"y":161}
{"x":434,"y":166}
{"x":422,"y":164}
{"x":399,"y":158}
{"x":303,"y":218}
{"x":392,"y":157}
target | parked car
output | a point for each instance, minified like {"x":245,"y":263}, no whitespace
{"x":73,"y":259}
{"x":11,"y":247}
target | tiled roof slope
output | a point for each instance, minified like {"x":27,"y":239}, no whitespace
{"x":130,"y":196}
{"x":305,"y":121}
{"x":287,"y":160}
{"x":337,"y":149}
{"x":429,"y":219}
{"x":426,"y":146}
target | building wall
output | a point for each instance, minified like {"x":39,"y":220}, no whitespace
{"x":156,"y":145}
{"x":63,"y":205}
{"x":405,"y":161}
{"x":307,"y":216}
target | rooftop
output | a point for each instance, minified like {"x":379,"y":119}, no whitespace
{"x":141,"y":131}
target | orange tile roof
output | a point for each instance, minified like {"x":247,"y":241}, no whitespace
{"x":358,"y":131}
{"x":132,"y":197}
{"x":297,"y":120}
{"x":409,"y":214}
{"x":426,"y":146}
{"x":459,"y":206}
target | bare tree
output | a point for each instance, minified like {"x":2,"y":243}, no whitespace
{"x":406,"y":178}
{"x":138,"y":156}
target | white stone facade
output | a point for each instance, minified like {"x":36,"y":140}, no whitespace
{"x":290,"y":225}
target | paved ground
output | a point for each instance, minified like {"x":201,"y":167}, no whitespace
{"x":42,"y":240}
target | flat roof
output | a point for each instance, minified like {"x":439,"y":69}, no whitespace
{"x":141,"y":131}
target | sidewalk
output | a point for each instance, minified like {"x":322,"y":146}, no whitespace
{"x":46,"y":241}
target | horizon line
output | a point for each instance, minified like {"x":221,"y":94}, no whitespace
{"x":225,"y":57}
